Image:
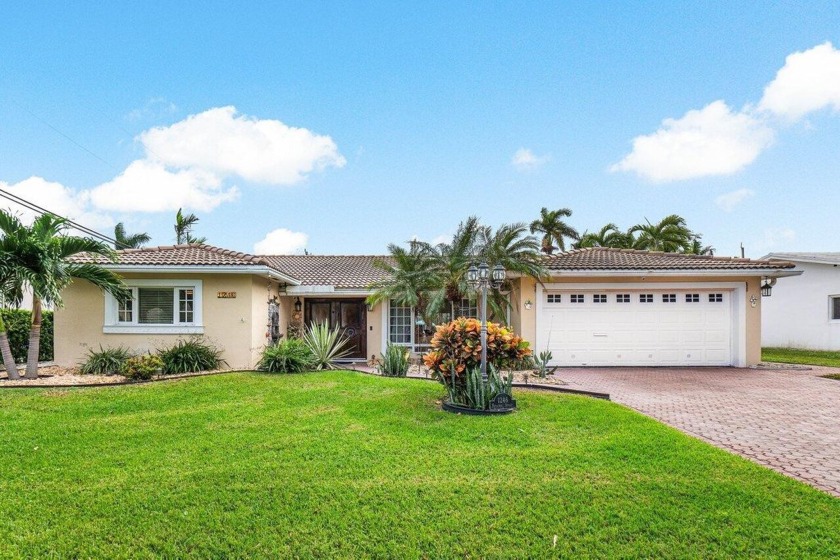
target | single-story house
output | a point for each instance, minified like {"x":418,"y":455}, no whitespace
{"x":597,"y":307}
{"x":806,"y":313}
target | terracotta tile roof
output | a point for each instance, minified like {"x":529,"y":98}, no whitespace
{"x":178,"y":255}
{"x":601,"y":258}
{"x":341,"y":271}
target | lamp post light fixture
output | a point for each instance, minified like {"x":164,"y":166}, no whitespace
{"x":767,"y":287}
{"x":481,"y":278}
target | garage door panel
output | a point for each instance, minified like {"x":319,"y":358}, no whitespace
{"x":636,"y":333}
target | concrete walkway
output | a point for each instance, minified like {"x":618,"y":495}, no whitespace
{"x":788,"y":420}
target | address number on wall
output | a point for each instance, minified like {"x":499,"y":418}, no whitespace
{"x":226,"y":295}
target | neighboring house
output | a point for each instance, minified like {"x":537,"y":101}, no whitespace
{"x":806,"y":313}
{"x":597,"y":307}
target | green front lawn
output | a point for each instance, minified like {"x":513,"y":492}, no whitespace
{"x":801,"y":356}
{"x":341,"y":464}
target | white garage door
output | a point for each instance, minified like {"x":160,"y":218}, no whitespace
{"x":636,"y":327}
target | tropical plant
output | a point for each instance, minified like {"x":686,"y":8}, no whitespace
{"x":553,"y":229}
{"x":541,"y":367}
{"x":696,"y":247}
{"x":478,"y":393}
{"x":105,"y":361}
{"x":456,"y":347}
{"x":607,"y":236}
{"x":183,"y":228}
{"x":40,"y":257}
{"x":395,"y":361}
{"x":18,"y":322}
{"x":327,"y":346}
{"x":409,"y":278}
{"x":290,"y":355}
{"x":669,"y":234}
{"x":126,"y":241}
{"x":142,"y":368}
{"x":189,"y":355}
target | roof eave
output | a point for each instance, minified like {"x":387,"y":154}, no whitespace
{"x":204,"y":269}
{"x":769,"y":272}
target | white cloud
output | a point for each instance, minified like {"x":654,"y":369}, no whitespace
{"x":55,"y":198}
{"x":713,"y":140}
{"x":773,"y":239}
{"x":281,"y":241}
{"x":525,"y":160}
{"x":809,"y":81}
{"x":154,"y":108}
{"x":147,"y":186}
{"x":225,"y":143}
{"x":728,"y":201}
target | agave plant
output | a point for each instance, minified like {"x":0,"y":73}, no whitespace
{"x":327,"y":345}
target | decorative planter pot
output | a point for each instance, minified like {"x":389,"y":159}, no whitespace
{"x":501,"y":404}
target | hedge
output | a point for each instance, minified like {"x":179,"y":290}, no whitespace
{"x":17,"y":325}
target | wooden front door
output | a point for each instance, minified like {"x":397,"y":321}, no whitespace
{"x":347,"y":314}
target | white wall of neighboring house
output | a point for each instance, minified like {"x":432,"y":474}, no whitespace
{"x":799,"y":313}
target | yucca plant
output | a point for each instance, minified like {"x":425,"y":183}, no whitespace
{"x":105,"y":361}
{"x":194,"y":354}
{"x":395,"y":361}
{"x":327,"y":345}
{"x":290,"y":355}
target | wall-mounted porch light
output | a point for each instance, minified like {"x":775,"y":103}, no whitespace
{"x":528,"y":304}
{"x":767,"y":287}
{"x":298,"y":305}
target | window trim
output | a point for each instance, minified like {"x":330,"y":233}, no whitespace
{"x":112,"y":325}
{"x":831,"y":298}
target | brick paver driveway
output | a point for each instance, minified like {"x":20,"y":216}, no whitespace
{"x":787,"y":420}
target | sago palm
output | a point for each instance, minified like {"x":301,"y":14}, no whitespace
{"x":39,"y":257}
{"x":553,"y":229}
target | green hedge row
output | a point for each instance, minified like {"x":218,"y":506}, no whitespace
{"x":17,"y":324}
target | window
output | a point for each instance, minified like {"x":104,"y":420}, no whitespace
{"x":399,"y":324}
{"x":835,"y":308}
{"x":669,"y":298}
{"x":622,"y":298}
{"x":578,"y":298}
{"x":553,"y":298}
{"x":715,"y":298}
{"x":156,"y":306}
{"x":599,"y":298}
{"x":692,"y":298}
{"x":467,"y":308}
{"x":645,"y":298}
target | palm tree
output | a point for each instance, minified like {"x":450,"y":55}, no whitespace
{"x":670,"y":235}
{"x":11,"y":291}
{"x":409,"y":276}
{"x":125,"y":241}
{"x":39,"y":257}
{"x":450,"y":264}
{"x":183,"y":229}
{"x":697,"y":248}
{"x":553,"y":228}
{"x":607,"y":236}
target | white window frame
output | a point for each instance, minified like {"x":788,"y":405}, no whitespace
{"x":831,"y":299}
{"x":112,"y":325}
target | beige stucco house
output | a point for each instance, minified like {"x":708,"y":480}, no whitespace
{"x":597,"y":307}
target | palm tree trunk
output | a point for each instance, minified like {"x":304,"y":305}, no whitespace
{"x":34,"y":340}
{"x":6,"y":350}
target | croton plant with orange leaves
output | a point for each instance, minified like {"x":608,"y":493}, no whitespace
{"x":458,"y":345}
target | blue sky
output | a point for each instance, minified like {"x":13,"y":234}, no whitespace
{"x":357,"y":125}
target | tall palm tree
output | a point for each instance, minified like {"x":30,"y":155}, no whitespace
{"x":670,"y":235}
{"x":39,"y":257}
{"x":126,"y":241}
{"x":450,"y":264}
{"x":11,"y":291}
{"x":183,"y":228}
{"x":607,"y":236}
{"x":554,"y":229}
{"x":697,"y":248}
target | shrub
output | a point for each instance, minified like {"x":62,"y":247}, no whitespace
{"x":106,"y":361}
{"x":394,"y":362}
{"x":142,"y":368}
{"x":17,"y":323}
{"x":455,"y":360}
{"x":194,"y":354}
{"x":290,"y":355}
{"x":326,"y":345}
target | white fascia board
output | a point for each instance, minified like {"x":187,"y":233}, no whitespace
{"x":326,"y":290}
{"x":770,"y":272}
{"x":198,"y":268}
{"x":803,"y":260}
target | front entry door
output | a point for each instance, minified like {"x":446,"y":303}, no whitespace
{"x":347,"y":314}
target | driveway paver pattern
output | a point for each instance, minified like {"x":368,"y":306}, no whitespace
{"x":788,"y":420}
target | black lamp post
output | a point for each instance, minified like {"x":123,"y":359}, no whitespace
{"x":480,"y":278}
